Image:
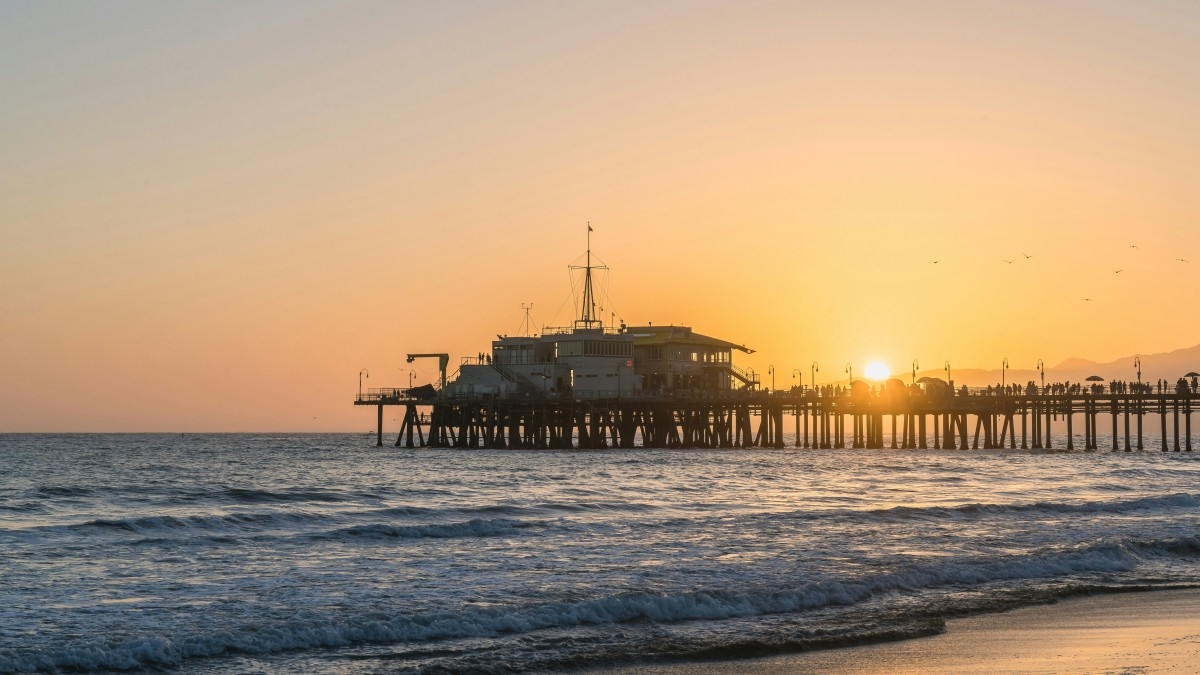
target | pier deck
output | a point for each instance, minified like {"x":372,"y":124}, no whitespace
{"x":822,"y":418}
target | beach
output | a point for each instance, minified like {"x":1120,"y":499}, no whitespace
{"x":1151,"y":632}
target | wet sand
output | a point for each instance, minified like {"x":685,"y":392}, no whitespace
{"x":1126,"y":633}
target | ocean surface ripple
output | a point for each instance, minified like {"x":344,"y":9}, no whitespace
{"x":322,"y":553}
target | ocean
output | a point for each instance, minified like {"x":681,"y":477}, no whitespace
{"x":324,"y":554}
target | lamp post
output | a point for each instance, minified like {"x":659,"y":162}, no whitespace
{"x":412,"y":372}
{"x":1041,"y":368}
{"x":1003,"y":367}
{"x":360,"y":377}
{"x":916,"y":367}
{"x":850,"y":370}
{"x":771,"y":372}
{"x":1137,"y":363}
{"x":798,"y":374}
{"x":813,"y":380}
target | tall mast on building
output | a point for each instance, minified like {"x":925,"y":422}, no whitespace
{"x":588,"y":317}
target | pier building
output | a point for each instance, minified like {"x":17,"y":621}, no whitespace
{"x":589,"y":360}
{"x":676,"y":358}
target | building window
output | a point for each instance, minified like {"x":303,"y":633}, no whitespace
{"x":606,"y":348}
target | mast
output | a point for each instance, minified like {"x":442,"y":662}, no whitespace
{"x":588,"y":317}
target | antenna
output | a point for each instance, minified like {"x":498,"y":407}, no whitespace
{"x":526,"y":308}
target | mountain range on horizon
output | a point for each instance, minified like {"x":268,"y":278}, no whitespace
{"x":1165,"y":365}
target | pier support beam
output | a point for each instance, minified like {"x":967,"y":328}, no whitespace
{"x":1175,"y":406}
{"x":379,"y":426}
{"x":1187,"y":420}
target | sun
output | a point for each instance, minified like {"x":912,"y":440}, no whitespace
{"x":877,"y":370}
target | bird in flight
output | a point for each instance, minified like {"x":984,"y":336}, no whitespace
{"x":934,"y":262}
{"x":1181,"y":260}
{"x":1118,"y":271}
{"x":1027,"y":256}
{"x":1087,"y":299}
{"x":1008,"y":261}
{"x":1132,"y":246}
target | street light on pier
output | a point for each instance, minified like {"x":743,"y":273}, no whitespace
{"x":850,"y":370}
{"x":771,"y":372}
{"x":360,"y":377}
{"x":412,"y":372}
{"x":916,"y":367}
{"x":1003,"y":367}
{"x":1137,"y":363}
{"x":813,"y":379}
{"x":948,"y":382}
{"x":798,"y":374}
{"x":1041,"y":368}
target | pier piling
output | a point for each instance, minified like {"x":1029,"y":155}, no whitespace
{"x":756,"y":419}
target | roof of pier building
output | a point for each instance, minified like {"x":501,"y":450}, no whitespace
{"x":649,"y":336}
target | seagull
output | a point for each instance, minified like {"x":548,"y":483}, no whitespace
{"x":1027,"y":256}
{"x":934,"y":262}
{"x":1181,"y":260}
{"x":1009,"y":261}
{"x":1118,"y":271}
{"x":1087,"y":299}
{"x":1132,"y":246}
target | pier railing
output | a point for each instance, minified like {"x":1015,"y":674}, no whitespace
{"x":382,"y":395}
{"x":826,"y":393}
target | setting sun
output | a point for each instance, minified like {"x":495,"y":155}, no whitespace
{"x":877,"y":370}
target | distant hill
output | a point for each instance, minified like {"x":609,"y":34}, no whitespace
{"x":1169,"y":366}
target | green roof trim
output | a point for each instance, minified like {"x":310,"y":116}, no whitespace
{"x":680,"y":335}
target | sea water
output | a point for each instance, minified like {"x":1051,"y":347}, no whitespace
{"x":325,"y":554}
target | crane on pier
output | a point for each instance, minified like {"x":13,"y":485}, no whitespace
{"x":443,"y":359}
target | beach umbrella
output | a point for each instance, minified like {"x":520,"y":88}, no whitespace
{"x":934,"y":385}
{"x":1095,"y":378}
{"x":1192,"y":374}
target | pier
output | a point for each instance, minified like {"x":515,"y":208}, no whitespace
{"x":1031,"y":418}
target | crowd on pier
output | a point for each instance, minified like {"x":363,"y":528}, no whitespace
{"x":934,"y":387}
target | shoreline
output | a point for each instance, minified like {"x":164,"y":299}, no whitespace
{"x":1155,"y":631}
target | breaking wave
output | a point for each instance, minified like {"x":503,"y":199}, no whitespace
{"x":476,"y":527}
{"x":708,"y":604}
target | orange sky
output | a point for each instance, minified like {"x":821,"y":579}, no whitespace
{"x":212,"y":216}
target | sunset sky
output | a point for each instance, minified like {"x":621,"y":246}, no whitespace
{"x":214,"y":214}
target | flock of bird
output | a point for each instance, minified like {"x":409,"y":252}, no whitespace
{"x":1028,"y":256}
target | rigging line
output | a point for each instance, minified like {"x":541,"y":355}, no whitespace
{"x":608,"y":301}
{"x":597,"y":263}
{"x":570,"y":296}
{"x":606,"y":295}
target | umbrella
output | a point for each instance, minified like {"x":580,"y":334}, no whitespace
{"x":1095,"y":378}
{"x":1192,"y":374}
{"x":927,"y":380}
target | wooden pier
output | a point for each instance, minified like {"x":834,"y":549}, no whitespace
{"x":822,"y":419}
